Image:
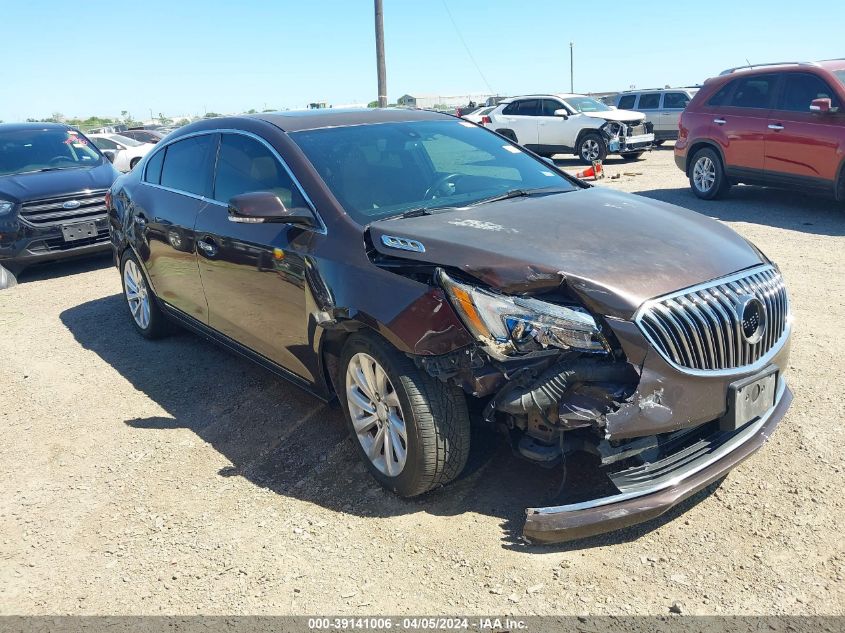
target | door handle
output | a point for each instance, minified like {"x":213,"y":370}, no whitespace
{"x":719,"y":121}
{"x":208,"y":247}
{"x":775,"y":126}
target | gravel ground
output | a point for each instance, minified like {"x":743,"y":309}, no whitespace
{"x":172,"y":477}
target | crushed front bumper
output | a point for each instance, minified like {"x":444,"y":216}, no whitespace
{"x":575,"y":521}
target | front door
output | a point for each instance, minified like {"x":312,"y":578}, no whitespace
{"x":254,"y":274}
{"x":178,"y":184}
{"x":802,"y":146}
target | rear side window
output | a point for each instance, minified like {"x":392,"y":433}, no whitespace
{"x":526,"y":107}
{"x":649,"y":101}
{"x":188,"y":164}
{"x":754,"y":92}
{"x":721,"y":96}
{"x":799,"y":89}
{"x":626,"y":102}
{"x":675,"y":100}
{"x":153,"y":173}
{"x":246,"y":165}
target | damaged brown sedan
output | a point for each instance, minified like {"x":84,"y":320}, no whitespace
{"x":426,"y":271}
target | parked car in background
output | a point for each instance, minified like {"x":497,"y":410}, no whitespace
{"x":408,"y":263}
{"x":145,"y":136}
{"x":480,"y":116}
{"x":662,"y":108}
{"x":123,"y":151}
{"x":780,"y":125}
{"x":53,"y":182}
{"x":572,"y":124}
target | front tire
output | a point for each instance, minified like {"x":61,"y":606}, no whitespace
{"x":707,"y":175}
{"x":411,"y":430}
{"x":146,"y":315}
{"x":591,"y":147}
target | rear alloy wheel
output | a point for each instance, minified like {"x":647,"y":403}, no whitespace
{"x":411,"y":430}
{"x":707,"y":176}
{"x":146,"y":315}
{"x":591,"y":147}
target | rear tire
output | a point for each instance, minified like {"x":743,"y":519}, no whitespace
{"x":146,"y":314}
{"x":591,"y":147}
{"x":134,"y":162}
{"x":707,"y":175}
{"x":508,"y":134}
{"x":385,"y":395}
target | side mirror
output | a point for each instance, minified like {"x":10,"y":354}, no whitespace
{"x":563,"y":113}
{"x":821,"y":105}
{"x":264,"y":206}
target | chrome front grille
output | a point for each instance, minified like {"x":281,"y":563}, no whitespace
{"x":64,"y":209}
{"x":729,"y":323}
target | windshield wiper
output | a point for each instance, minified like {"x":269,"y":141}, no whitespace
{"x":415,"y":213}
{"x":522,"y":193}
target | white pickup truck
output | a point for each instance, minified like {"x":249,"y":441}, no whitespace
{"x":572,"y":124}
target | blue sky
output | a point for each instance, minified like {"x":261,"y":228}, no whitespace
{"x":190,"y":56}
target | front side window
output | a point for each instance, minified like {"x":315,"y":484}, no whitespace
{"x":550,"y":106}
{"x":649,"y":101}
{"x":30,"y":150}
{"x":626,"y":102}
{"x":188,"y":164}
{"x":675,"y":100}
{"x":754,"y":92}
{"x":246,"y":165}
{"x":799,"y":89}
{"x":378,"y":171}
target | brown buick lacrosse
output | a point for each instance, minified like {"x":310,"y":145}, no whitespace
{"x":425,"y":272}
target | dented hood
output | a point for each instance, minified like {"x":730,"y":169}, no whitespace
{"x":615,"y":250}
{"x":626,"y":116}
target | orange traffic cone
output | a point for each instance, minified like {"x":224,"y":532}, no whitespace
{"x":595,"y":172}
{"x":590,"y":172}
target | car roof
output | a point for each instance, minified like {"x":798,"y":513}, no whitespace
{"x":679,"y":88}
{"x":298,"y":120}
{"x":16,"y":127}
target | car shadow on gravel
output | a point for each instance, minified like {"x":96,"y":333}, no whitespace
{"x":283,"y":439}
{"x":64,"y":268}
{"x":791,"y":210}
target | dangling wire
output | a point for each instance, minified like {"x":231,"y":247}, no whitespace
{"x":461,"y":37}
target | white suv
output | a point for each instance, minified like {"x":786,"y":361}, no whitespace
{"x":572,"y":124}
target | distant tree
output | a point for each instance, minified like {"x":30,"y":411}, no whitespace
{"x":164,"y":120}
{"x":269,"y":110}
{"x":56,"y":117}
{"x":252,"y":111}
{"x":372,"y":104}
{"x":182,"y":122}
{"x":211,"y":115}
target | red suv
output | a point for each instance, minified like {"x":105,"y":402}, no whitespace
{"x":777,"y":124}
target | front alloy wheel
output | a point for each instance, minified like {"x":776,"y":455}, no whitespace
{"x":376,"y":414}
{"x":411,"y":430}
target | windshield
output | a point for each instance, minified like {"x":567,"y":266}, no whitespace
{"x":586,"y":104}
{"x":383,"y":170}
{"x":124,"y":140}
{"x":31,"y":149}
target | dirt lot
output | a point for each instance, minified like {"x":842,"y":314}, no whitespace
{"x":141,"y":478}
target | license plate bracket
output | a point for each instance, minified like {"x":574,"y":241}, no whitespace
{"x":750,"y":398}
{"x":79,"y":231}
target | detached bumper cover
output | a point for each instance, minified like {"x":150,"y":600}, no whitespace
{"x":570,"y":522}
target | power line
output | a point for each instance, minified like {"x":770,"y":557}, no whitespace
{"x":461,"y":37}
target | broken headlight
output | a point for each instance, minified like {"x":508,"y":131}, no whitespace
{"x":525,"y":323}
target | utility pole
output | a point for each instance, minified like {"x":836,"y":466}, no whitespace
{"x":571,"y":68}
{"x":382,"y":74}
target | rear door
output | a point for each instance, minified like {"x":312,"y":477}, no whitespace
{"x":521,"y":117}
{"x":801,"y":145}
{"x":178,"y":181}
{"x":740,"y":113}
{"x":670,"y":113}
{"x":254,"y":274}
{"x":649,"y":104}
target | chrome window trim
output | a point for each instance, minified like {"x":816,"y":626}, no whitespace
{"x":319,"y":229}
{"x":721,"y":452}
{"x":745,"y":369}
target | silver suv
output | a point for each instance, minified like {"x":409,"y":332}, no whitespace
{"x":662,"y":108}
